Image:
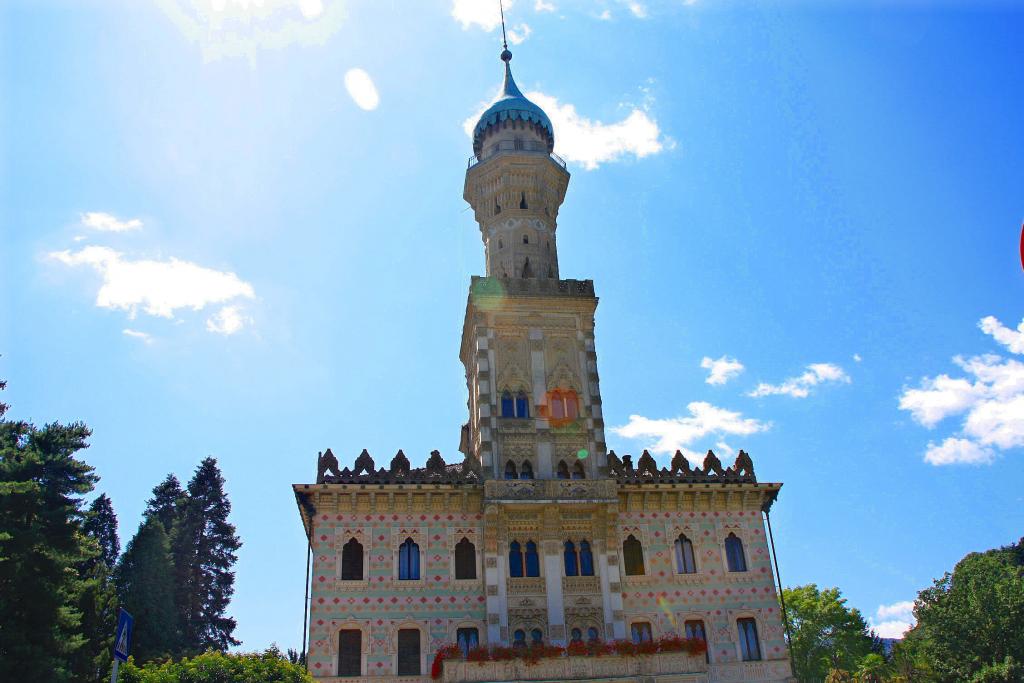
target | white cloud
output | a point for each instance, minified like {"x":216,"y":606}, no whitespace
{"x":591,"y":143}
{"x":361,"y":89}
{"x":893,"y":621}
{"x":990,"y":400}
{"x":482,"y":13}
{"x":227,"y":320}
{"x":542,"y":6}
{"x":669,"y":435}
{"x":637,"y":9}
{"x":158,"y":288}
{"x":519,"y":33}
{"x":800,"y":387}
{"x":722,"y":369}
{"x":136,"y":334}
{"x":954,"y":451}
{"x":105,"y":222}
{"x":605,"y":15}
{"x":241,"y":28}
{"x":857,"y":358}
{"x":1012,"y":340}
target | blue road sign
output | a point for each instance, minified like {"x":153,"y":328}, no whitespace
{"x":123,"y":635}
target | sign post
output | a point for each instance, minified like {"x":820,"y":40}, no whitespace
{"x":122,"y":641}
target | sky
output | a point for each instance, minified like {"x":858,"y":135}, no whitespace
{"x":236,"y":228}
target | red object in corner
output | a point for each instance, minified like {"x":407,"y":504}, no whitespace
{"x":1022,"y":245}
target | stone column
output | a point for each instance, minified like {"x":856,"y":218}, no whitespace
{"x":553,"y":589}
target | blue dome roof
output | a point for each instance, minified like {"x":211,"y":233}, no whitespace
{"x":511,"y":105}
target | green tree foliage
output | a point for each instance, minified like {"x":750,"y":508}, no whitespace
{"x":167,"y":503}
{"x":217,"y":667}
{"x":42,"y":546}
{"x":973,"y":618}
{"x":98,"y":601}
{"x":204,"y":549}
{"x":826,"y":634}
{"x":145,"y":583}
{"x":1009,"y":670}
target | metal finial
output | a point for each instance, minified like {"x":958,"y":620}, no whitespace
{"x":504,"y":38}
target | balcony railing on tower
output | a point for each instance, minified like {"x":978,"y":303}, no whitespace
{"x":519,"y":146}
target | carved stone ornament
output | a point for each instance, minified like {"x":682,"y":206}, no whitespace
{"x":400,"y":463}
{"x":326,"y":462}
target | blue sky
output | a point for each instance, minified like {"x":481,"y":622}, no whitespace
{"x":212,"y":247}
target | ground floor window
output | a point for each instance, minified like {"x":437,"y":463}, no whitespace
{"x":408,"y":652}
{"x":750,"y":647}
{"x":350,"y":652}
{"x":641,"y":632}
{"x":468,"y":639}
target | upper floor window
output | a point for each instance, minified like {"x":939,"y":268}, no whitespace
{"x":578,"y":472}
{"x":750,"y":647}
{"x":409,"y":561}
{"x":352,"y":561}
{"x":522,"y":405}
{"x":350,"y":652}
{"x":563,"y":405}
{"x":526,"y":472}
{"x":532,"y":559}
{"x":408,"y":652}
{"x":519,"y":638}
{"x":576,"y":635}
{"x":526,"y":238}
{"x":522,"y":201}
{"x":520,"y":563}
{"x":641,"y":632}
{"x":563,"y":470}
{"x":510,"y":470}
{"x":578,"y":561}
{"x":508,"y":404}
{"x":465,"y":559}
{"x":734,"y":554}
{"x":515,"y":559}
{"x":633,"y":555}
{"x":685,"y":562}
{"x":536,"y":637}
{"x":468,"y":639}
{"x":593,"y":635}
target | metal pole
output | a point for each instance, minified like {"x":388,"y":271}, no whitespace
{"x":113,"y":674}
{"x":782,"y":598}
{"x":305,"y":607}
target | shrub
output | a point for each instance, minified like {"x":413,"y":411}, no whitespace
{"x":269,"y":666}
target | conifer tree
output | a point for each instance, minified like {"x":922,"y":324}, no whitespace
{"x":145,"y":587}
{"x":42,"y":545}
{"x":167,"y":503}
{"x":205,"y":544}
{"x":98,"y":600}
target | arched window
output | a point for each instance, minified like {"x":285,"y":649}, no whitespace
{"x":522,"y":201}
{"x":641,"y":632}
{"x":519,"y":638}
{"x":557,"y":405}
{"x":501,"y":245}
{"x":408,"y":652}
{"x":633,"y":554}
{"x":695,"y":630}
{"x":571,"y":406}
{"x":734,"y":554}
{"x":465,"y":559}
{"x":578,"y":472}
{"x":508,"y":406}
{"x":510,"y":470}
{"x":592,"y":635}
{"x":527,"y":471}
{"x":576,"y":636}
{"x":571,"y":568}
{"x":350,"y":652}
{"x":685,"y":562}
{"x":467,"y":639}
{"x":526,"y":238}
{"x":536,"y":637}
{"x":352,"y":561}
{"x":562,"y":471}
{"x":586,"y":559}
{"x":750,"y":646}
{"x":522,"y":405}
{"x":515,"y":559}
{"x":532,"y":560}
{"x":409,"y":561}
{"x":497,"y":207}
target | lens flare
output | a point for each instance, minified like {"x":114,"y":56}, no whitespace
{"x":582,"y":454}
{"x":666,"y":607}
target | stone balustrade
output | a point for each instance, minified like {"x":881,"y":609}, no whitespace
{"x":682,"y":667}
{"x":598,"y":490}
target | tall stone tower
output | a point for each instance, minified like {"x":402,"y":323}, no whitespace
{"x":528,"y":336}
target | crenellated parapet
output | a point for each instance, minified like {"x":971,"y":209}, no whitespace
{"x":622,"y":469}
{"x":436,"y":470}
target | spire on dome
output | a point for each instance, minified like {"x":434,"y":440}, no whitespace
{"x":511,"y":105}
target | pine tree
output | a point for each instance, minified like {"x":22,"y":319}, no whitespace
{"x":205,"y":546}
{"x":42,"y":545}
{"x":145,"y":587}
{"x":167,"y":503}
{"x":98,"y":600}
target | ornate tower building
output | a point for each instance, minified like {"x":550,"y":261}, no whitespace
{"x":540,"y":539}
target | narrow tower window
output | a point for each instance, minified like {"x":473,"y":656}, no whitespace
{"x":522,"y":201}
{"x":497,"y":207}
{"x":526,"y":238}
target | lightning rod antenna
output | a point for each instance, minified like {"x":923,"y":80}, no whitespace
{"x":504,"y":40}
